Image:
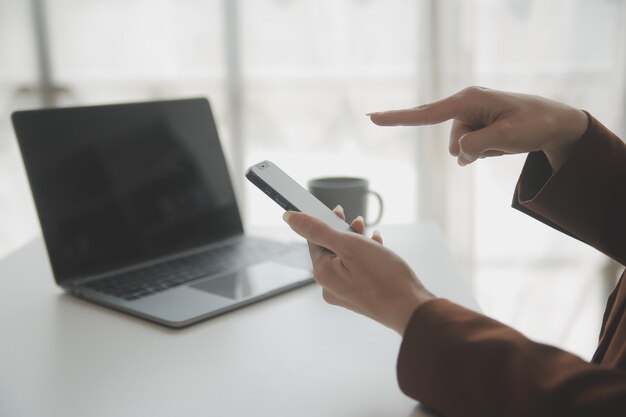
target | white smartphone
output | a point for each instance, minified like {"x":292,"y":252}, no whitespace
{"x":290,"y":195}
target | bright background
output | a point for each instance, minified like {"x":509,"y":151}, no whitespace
{"x":291,"y":81}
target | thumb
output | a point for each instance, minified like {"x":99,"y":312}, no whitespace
{"x":477,"y":142}
{"x":314,"y":230}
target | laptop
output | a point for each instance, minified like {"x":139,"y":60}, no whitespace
{"x":138,"y":212}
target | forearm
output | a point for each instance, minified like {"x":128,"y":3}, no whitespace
{"x":461,"y":363}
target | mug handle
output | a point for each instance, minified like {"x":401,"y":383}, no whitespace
{"x":380,"y":210}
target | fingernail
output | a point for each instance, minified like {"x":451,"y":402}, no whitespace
{"x":376,"y":233}
{"x":338,"y":207}
{"x":360,"y":218}
{"x":462,"y":160}
{"x":286,"y":216}
{"x":369,"y":114}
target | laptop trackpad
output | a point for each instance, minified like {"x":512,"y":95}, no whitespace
{"x":254,"y":280}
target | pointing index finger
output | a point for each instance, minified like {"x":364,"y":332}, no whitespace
{"x":426,"y":114}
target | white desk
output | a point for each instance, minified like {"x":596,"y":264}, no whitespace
{"x":292,"y":355}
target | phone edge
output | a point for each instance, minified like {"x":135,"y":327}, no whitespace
{"x":270,"y":191}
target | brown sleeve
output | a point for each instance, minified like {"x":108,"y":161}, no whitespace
{"x":461,"y":363}
{"x":586,"y":198}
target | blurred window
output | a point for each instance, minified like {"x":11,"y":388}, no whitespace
{"x":292,"y":80}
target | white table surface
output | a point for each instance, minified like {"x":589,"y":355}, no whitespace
{"x":292,"y":355}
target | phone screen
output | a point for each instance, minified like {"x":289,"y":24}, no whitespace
{"x":290,"y":195}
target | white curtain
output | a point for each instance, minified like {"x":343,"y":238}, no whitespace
{"x":548,"y":285}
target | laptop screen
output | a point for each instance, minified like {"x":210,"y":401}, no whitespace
{"x":120,"y":184}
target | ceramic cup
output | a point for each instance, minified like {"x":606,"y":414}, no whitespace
{"x":349,"y":192}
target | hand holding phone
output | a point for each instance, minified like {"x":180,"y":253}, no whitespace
{"x":290,"y":195}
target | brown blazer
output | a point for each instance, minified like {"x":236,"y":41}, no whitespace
{"x":461,"y":363}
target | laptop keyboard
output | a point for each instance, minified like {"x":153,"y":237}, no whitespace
{"x":142,"y":282}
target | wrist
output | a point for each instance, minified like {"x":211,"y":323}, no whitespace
{"x":407,"y":306}
{"x":575,"y":123}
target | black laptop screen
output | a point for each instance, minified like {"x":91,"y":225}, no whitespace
{"x":120,"y":184}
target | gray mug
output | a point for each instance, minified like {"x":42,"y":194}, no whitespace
{"x":351,"y":193}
